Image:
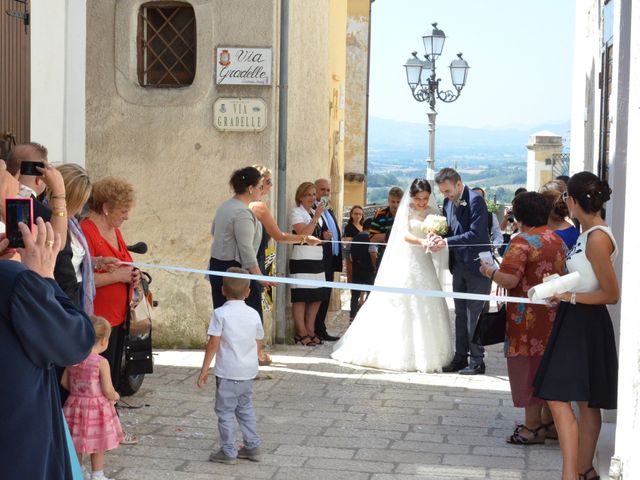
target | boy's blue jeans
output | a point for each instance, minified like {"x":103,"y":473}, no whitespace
{"x":233,"y":401}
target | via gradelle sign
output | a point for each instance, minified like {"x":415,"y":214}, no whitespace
{"x":240,"y":114}
{"x":243,"y":66}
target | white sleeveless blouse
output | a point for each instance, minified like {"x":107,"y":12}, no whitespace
{"x":577,"y":260}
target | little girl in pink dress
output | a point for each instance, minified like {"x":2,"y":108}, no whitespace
{"x":93,"y":422}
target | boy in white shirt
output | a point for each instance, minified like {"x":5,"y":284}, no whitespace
{"x":235,"y":338}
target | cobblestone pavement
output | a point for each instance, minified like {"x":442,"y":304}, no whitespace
{"x":322,"y":420}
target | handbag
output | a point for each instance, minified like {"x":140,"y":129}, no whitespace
{"x":138,"y":345}
{"x":491,"y":327}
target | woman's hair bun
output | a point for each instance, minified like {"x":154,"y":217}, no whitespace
{"x":603,"y":190}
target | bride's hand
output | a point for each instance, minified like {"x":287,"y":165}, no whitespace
{"x":426,"y":244}
{"x":437,"y":243}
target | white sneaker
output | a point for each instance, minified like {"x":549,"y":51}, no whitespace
{"x":99,"y":476}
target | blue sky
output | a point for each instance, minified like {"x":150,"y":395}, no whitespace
{"x":520,"y":53}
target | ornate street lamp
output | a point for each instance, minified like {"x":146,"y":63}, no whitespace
{"x":425,"y":87}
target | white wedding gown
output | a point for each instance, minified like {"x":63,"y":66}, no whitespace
{"x":396,"y":331}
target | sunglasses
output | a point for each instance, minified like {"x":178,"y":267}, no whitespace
{"x":565,"y":196}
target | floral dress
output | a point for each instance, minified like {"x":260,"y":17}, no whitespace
{"x":92,"y":418}
{"x":531,"y":256}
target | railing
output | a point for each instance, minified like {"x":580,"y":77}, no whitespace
{"x":560,"y":164}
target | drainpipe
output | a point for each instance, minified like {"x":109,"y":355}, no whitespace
{"x":281,"y":208}
{"x":366,"y":118}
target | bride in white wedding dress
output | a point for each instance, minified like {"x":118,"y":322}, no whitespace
{"x":397,"y":331}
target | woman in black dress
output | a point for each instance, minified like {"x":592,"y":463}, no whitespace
{"x":580,"y":362}
{"x":353,"y":228}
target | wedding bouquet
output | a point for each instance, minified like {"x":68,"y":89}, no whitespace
{"x":435,"y":224}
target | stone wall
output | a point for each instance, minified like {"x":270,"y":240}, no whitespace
{"x":164,"y":141}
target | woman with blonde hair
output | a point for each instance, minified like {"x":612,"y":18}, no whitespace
{"x":74,"y":265}
{"x":552,"y":192}
{"x":271,"y":229}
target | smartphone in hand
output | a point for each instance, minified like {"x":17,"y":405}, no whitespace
{"x":486,"y":258}
{"x":17,"y":210}
{"x":30,"y":168}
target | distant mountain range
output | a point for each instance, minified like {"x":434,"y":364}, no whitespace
{"x":390,"y":133}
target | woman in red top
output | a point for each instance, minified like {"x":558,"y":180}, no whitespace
{"x":109,"y":205}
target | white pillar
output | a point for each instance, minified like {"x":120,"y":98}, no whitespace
{"x":58,"y":44}
{"x":628,"y":423}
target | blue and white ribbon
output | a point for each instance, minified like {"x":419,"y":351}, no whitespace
{"x":346,"y":285}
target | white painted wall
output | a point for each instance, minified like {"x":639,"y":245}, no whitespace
{"x":623,"y":174}
{"x":628,"y":422}
{"x":58,"y":33}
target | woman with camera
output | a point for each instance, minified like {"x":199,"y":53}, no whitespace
{"x":306,"y":263}
{"x":532,"y":255}
{"x":508,"y":224}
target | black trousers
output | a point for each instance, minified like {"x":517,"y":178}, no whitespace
{"x":254,"y":300}
{"x":362,"y":277}
{"x":114,"y":353}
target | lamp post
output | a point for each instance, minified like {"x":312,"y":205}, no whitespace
{"x":425,"y":87}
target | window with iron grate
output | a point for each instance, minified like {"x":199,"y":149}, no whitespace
{"x":166,"y":44}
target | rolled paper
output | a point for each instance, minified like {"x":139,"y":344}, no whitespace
{"x":554,"y":285}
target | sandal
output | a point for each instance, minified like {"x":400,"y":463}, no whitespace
{"x":301,"y":341}
{"x":518,"y":439}
{"x":583,"y":476}
{"x":317,"y":340}
{"x":552,"y":433}
{"x":129,"y":439}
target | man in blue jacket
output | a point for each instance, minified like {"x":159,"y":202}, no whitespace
{"x":39,"y":328}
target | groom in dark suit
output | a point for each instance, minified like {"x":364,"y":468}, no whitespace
{"x":467,"y":214}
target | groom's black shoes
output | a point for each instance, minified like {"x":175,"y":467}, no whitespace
{"x":328,"y":338}
{"x":458,"y":363}
{"x":473,"y":370}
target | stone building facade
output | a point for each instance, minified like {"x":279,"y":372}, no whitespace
{"x":165,"y":142}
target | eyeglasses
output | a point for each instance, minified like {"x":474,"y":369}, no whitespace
{"x":565,"y":196}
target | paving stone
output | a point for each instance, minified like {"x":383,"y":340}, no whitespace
{"x":158,"y":474}
{"x":429,"y":447}
{"x":243,"y":469}
{"x":398,"y":456}
{"x":348,"y":442}
{"x":442,"y":471}
{"x":424,"y":437}
{"x":305,"y":451}
{"x":362,"y":432}
{"x":507,"y":451}
{"x":351,"y":465}
{"x":288,"y":473}
{"x":483,"y":461}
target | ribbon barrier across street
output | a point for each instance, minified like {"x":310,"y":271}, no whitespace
{"x":342,"y":285}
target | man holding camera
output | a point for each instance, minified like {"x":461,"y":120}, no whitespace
{"x":331,"y":254}
{"x":28,"y":163}
{"x":508,"y":224}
